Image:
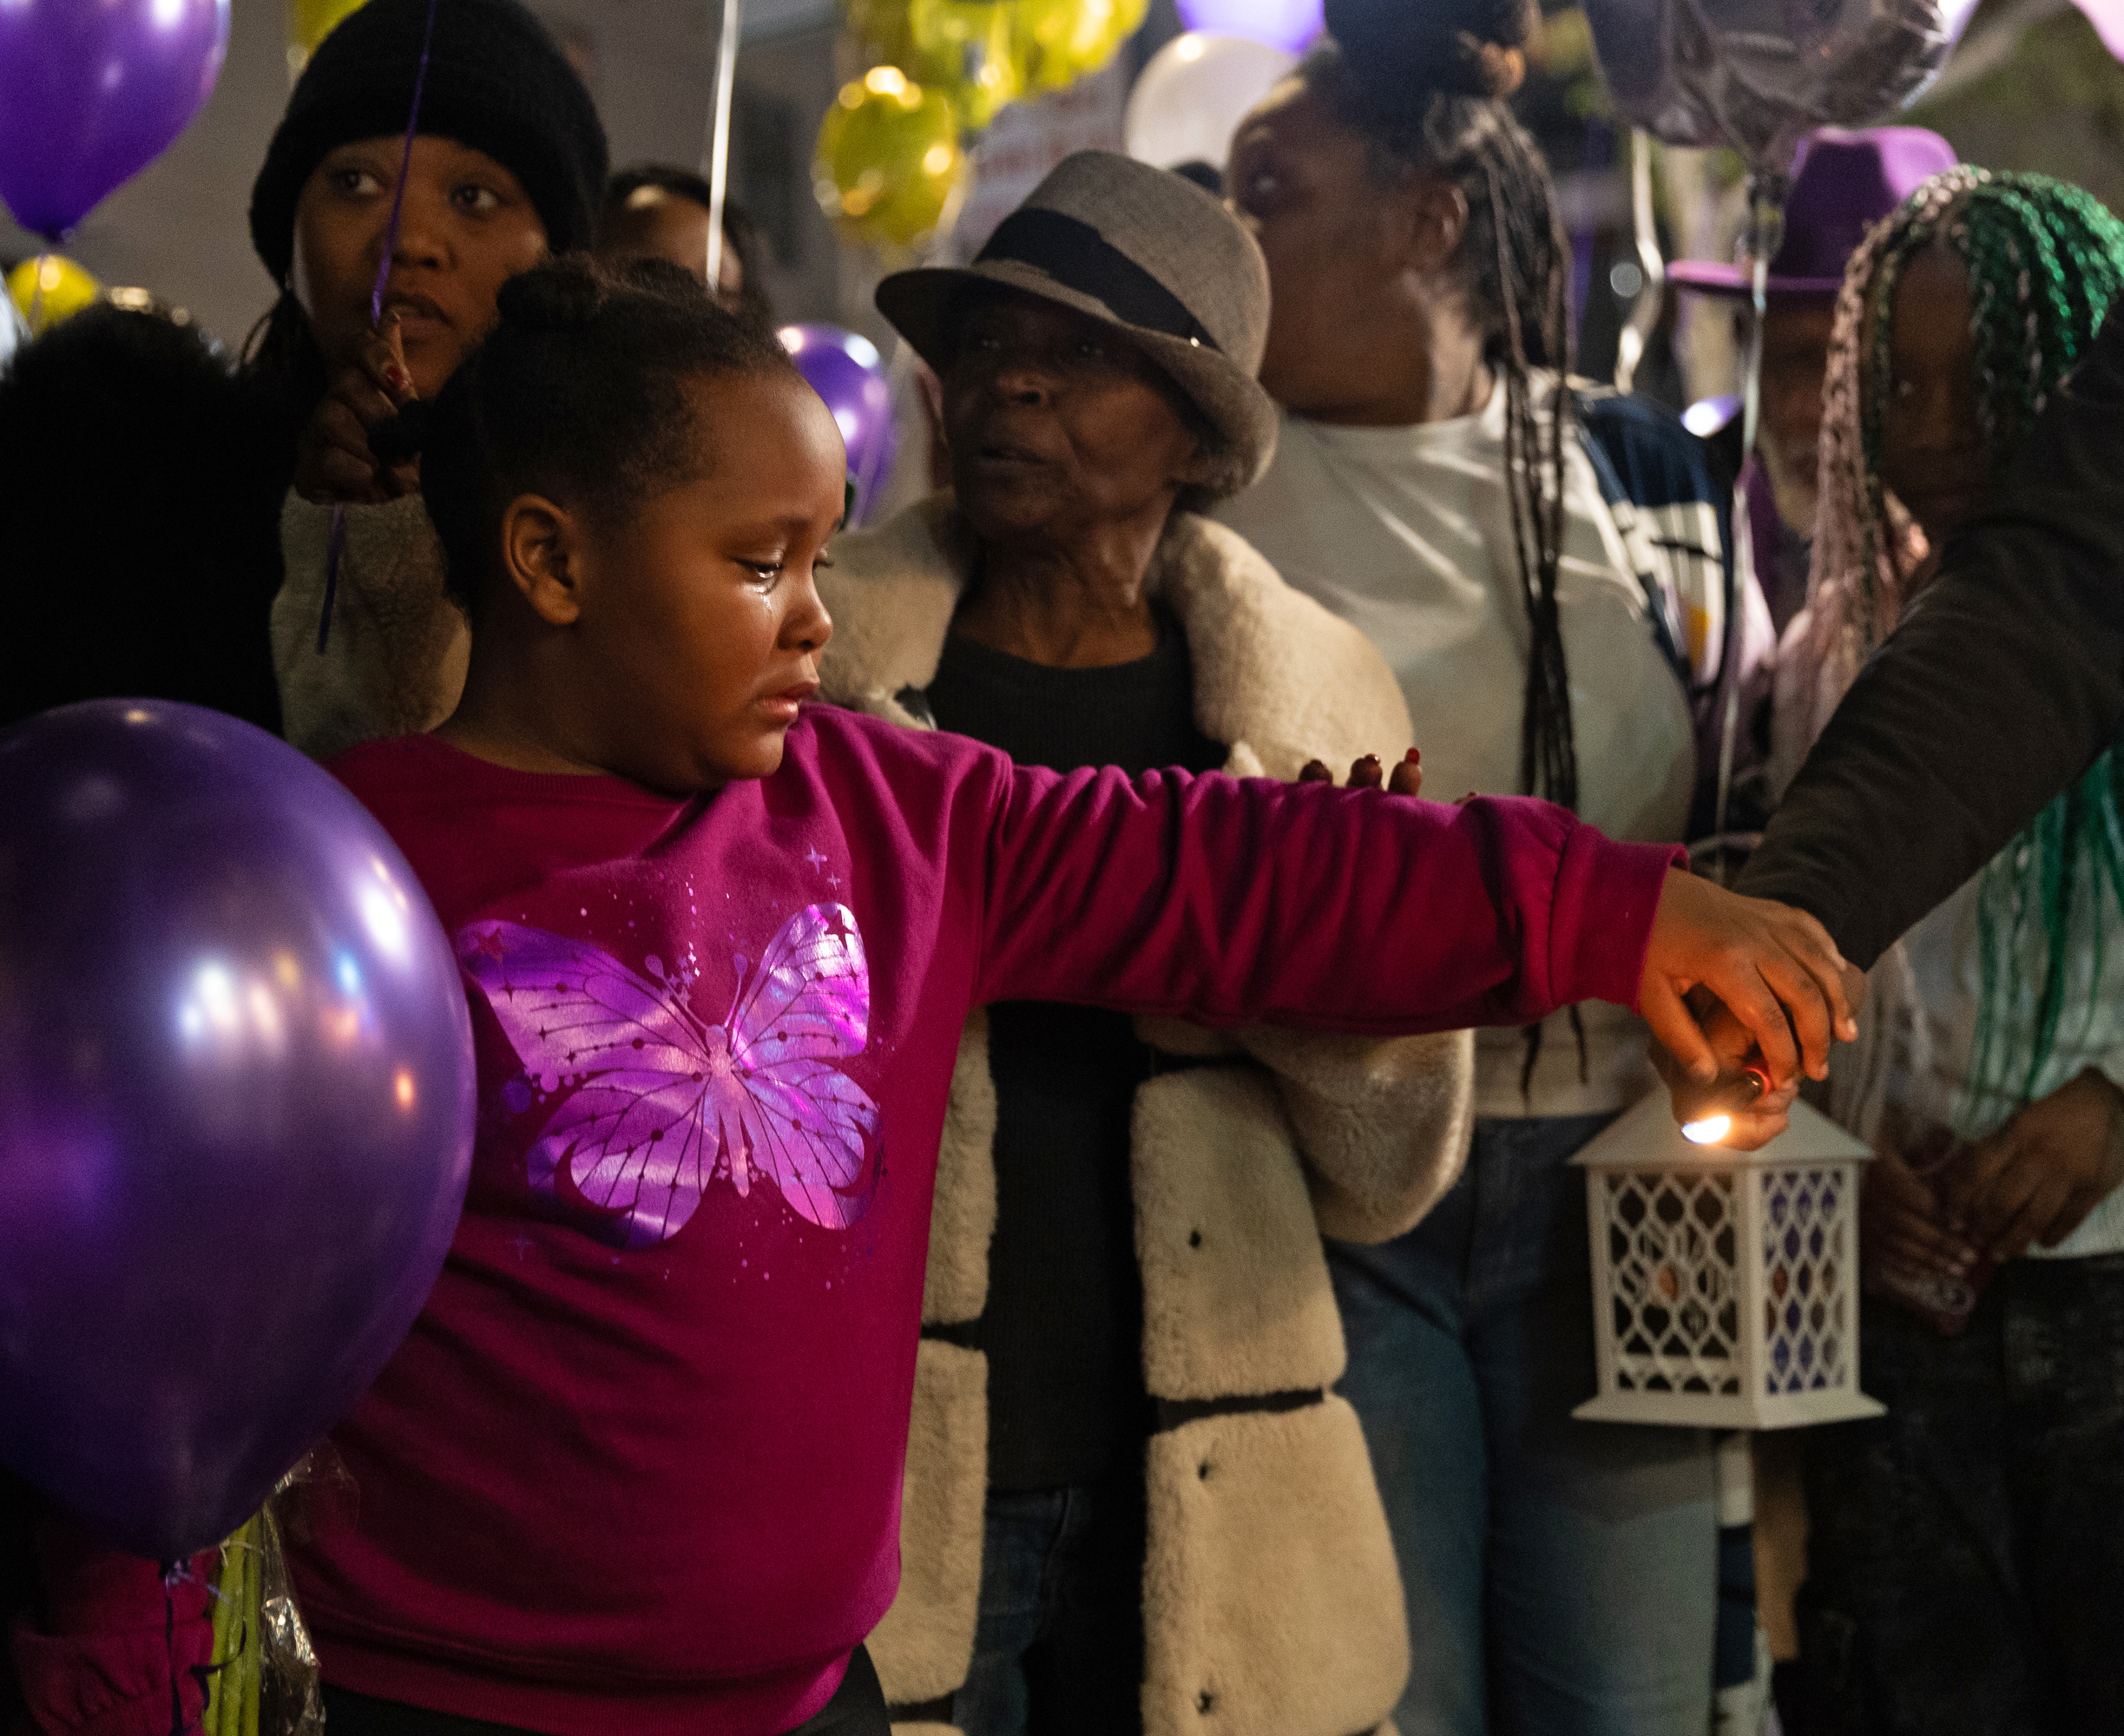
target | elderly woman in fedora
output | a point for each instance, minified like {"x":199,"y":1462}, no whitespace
{"x":1132,"y":1498}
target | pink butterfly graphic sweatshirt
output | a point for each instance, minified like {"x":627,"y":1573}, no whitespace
{"x":638,"y":1465}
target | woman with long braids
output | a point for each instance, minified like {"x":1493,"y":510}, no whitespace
{"x":1967,"y":1551}
{"x":1521,"y":549}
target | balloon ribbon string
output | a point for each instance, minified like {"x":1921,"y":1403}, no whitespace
{"x":335,"y":547}
{"x":169,"y":1639}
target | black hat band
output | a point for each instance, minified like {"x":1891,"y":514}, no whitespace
{"x":1078,"y":257}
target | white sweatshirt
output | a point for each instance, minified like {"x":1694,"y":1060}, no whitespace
{"x":1407,"y":533}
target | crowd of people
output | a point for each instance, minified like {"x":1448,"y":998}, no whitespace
{"x":1203,"y":1354}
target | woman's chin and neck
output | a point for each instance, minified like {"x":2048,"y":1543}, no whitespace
{"x":1069,"y":591}
{"x":1423,"y":363}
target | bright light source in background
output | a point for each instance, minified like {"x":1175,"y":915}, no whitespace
{"x":2106,"y":17}
{"x":1288,"y":24}
{"x":1709,"y":1131}
{"x":1707,"y":415}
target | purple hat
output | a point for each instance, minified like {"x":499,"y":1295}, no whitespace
{"x":1842,"y":184}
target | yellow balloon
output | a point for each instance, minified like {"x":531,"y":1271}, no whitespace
{"x":1067,"y":39}
{"x":972,"y":51}
{"x":49,"y":287}
{"x":309,"y":22}
{"x":888,"y":158}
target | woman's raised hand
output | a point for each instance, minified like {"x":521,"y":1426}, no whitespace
{"x":1366,"y":773}
{"x":1764,"y":978}
{"x":333,"y":463}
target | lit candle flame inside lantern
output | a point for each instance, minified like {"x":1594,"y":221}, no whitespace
{"x":1711,"y":1128}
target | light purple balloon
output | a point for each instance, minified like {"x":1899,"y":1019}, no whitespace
{"x":1760,"y":75}
{"x":843,"y":369}
{"x":236,"y":1113}
{"x":92,"y":91}
{"x":1290,"y":25}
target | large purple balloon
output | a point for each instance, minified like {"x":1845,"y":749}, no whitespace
{"x":92,"y":91}
{"x":236,"y":1106}
{"x":843,"y":368}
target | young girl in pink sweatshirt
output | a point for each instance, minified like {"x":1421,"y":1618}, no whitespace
{"x":638,"y":1465}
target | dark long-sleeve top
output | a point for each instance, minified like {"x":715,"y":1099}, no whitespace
{"x":2002,"y":685}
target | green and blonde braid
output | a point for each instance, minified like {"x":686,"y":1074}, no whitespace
{"x":2045,"y":262}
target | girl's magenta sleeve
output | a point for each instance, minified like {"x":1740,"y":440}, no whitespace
{"x":1236,"y":900}
{"x":94,"y":1652}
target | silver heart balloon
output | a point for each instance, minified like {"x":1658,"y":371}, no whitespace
{"x":1760,"y":75}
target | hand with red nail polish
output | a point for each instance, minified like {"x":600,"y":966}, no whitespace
{"x":333,"y":463}
{"x":1367,"y":773}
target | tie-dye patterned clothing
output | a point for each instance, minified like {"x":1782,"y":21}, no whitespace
{"x":639,"y":1463}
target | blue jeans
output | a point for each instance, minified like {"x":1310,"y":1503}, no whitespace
{"x":1059,"y":1648}
{"x":1561,"y":1576}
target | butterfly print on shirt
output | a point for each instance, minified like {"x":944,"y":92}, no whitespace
{"x":658,"y":1104}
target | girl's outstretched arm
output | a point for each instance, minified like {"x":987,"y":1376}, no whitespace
{"x":1228,"y":901}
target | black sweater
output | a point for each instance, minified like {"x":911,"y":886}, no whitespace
{"x":2001,"y":687}
{"x":1064,"y":1325}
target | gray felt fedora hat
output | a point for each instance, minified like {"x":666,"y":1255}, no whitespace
{"x":1143,"y":250}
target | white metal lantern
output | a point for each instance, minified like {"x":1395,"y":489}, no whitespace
{"x":1725,"y":1283}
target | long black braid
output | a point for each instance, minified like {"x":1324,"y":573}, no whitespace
{"x":1423,"y":88}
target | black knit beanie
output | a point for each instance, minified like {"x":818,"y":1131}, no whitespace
{"x":495,"y":82}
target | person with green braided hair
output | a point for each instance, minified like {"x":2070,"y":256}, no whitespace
{"x":1967,"y":1549}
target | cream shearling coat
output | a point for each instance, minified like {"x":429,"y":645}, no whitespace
{"x":1270,"y":1596}
{"x":394,"y":662}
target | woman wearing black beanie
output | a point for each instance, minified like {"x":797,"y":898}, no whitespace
{"x":141,"y":531}
{"x":140,"y":543}
{"x":508,"y":165}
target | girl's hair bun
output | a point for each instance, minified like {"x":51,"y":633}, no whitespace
{"x":1403,"y":54}
{"x":563,"y":295}
{"x":663,"y":277}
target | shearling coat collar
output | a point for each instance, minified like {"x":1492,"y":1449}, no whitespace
{"x":1270,"y":1588}
{"x":1279,"y":679}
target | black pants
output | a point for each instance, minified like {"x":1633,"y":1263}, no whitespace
{"x":857,"y":1709}
{"x":1966,"y":1551}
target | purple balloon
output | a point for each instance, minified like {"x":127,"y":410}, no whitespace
{"x":843,"y":368}
{"x":92,"y":91}
{"x":236,"y":1113}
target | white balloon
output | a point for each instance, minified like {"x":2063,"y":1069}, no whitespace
{"x":1192,"y":94}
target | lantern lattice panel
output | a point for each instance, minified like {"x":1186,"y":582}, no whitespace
{"x":1725,"y":1283}
{"x":1674,"y":1300}
{"x":1809,"y":1240}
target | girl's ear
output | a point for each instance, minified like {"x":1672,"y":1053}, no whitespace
{"x":1426,"y":216}
{"x":539,"y":542}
